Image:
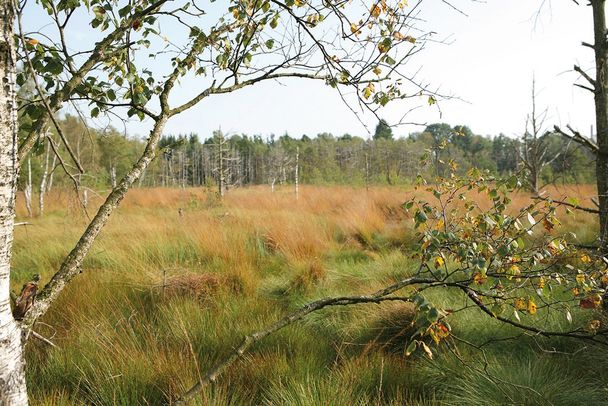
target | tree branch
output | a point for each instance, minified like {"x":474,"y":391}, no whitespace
{"x":585,"y":75}
{"x":578,"y":138}
{"x":62,"y":95}
{"x":564,"y":203}
{"x":248,"y":341}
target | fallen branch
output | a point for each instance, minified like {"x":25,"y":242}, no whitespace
{"x":248,"y":341}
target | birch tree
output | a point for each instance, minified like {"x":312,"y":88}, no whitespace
{"x":12,"y":377}
{"x":341,"y":44}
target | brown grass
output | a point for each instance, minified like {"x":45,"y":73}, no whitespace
{"x":309,"y":276}
{"x":248,"y":258}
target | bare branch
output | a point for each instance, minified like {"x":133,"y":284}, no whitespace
{"x":577,"y":137}
{"x":585,"y":75}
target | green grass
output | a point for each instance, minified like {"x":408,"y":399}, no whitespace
{"x":124,"y":339}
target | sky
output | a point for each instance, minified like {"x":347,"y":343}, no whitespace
{"x":486,"y":60}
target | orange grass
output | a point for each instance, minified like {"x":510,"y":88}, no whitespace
{"x":177,"y":276}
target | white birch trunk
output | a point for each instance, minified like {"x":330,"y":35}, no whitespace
{"x":53,"y":166}
{"x":12,"y":372}
{"x":85,"y":198}
{"x":43,"y":178}
{"x":28,"y":189}
{"x":113,"y":176}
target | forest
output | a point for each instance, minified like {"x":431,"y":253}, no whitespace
{"x":417,"y":263}
{"x":383,"y":159}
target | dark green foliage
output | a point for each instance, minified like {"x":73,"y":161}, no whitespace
{"x":383,"y":131}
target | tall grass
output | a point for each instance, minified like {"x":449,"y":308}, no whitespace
{"x":166,"y":292}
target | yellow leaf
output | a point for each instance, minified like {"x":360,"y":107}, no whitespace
{"x":478,"y":278}
{"x":520,"y":304}
{"x":439,"y":261}
{"x":514,"y":270}
{"x":32,"y":41}
{"x":377,"y":71}
{"x":432,"y":100}
{"x":593,"y":325}
{"x":427,"y":350}
{"x":434,"y":336}
{"x":368,"y":90}
{"x":354,"y":29}
{"x":580,"y":278}
{"x":541,"y":282}
{"x":375,"y":11}
{"x":410,"y":39}
{"x":585,"y":258}
{"x":531,"y":307}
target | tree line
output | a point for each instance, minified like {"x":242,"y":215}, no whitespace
{"x":226,"y":161}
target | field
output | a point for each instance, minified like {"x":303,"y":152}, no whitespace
{"x":178,"y":278}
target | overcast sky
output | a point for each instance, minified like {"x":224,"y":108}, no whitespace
{"x":488,"y":63}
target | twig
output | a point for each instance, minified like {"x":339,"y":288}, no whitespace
{"x":43,"y":339}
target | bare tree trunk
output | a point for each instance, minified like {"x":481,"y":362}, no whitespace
{"x":50,"y":184}
{"x":28,"y":189}
{"x":366,"y":171}
{"x":221,"y":163}
{"x":297,"y":176}
{"x":72,"y":263}
{"x":43,"y":179}
{"x":12,"y":372}
{"x":85,"y":198}
{"x":140,"y":182}
{"x":113,"y":176}
{"x":601,"y":114}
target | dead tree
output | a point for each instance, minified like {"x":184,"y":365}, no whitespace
{"x":597,"y":84}
{"x":534,"y":151}
{"x":222,"y":158}
{"x":297,"y":173}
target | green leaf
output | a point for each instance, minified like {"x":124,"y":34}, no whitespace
{"x":432,"y":314}
{"x":409,"y":350}
{"x":274,"y":22}
{"x":124,"y":11}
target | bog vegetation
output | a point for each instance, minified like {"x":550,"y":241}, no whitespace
{"x":155,"y":312}
{"x":435,"y":268}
